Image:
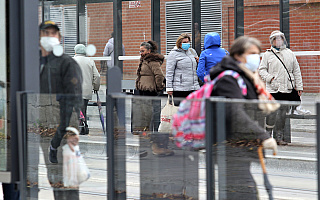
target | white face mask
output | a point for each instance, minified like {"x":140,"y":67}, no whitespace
{"x":253,"y":61}
{"x":49,"y":42}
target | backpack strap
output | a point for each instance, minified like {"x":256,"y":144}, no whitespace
{"x":235,"y":75}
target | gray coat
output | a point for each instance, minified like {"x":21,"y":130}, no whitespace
{"x":108,"y":51}
{"x":181,"y":69}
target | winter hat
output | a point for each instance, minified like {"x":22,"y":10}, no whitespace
{"x":80,"y":49}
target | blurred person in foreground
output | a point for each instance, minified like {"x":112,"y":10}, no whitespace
{"x":280,"y":70}
{"x":211,"y":55}
{"x":61,"y":78}
{"x":91,"y":80}
{"x":243,"y":134}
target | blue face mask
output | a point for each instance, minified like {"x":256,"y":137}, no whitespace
{"x":253,"y":61}
{"x":185,"y":46}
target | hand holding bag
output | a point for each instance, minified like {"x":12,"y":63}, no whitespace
{"x":166,"y":116}
{"x":75,"y":170}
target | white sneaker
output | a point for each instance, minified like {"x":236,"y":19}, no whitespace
{"x":301,"y":111}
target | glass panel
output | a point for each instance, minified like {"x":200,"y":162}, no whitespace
{"x":46,"y":180}
{"x":4,"y":136}
{"x":238,"y":169}
{"x":154,"y":167}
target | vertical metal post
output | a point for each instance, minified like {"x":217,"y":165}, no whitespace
{"x":24,"y":59}
{"x":110,"y":148}
{"x":155,"y":23}
{"x":81,"y":28}
{"x":117,"y":30}
{"x":210,"y":120}
{"x":238,"y":18}
{"x":42,"y":7}
{"x":317,"y":146}
{"x":196,"y":26}
{"x":221,"y":148}
{"x":22,"y":141}
{"x":285,"y":19}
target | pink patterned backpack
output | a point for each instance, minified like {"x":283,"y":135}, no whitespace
{"x":188,"y":127}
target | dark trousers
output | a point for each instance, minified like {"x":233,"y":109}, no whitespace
{"x":240,"y":183}
{"x":65,"y":115}
{"x":277,"y":119}
{"x":156,"y":110}
{"x":180,"y":94}
{"x":10,"y":192}
{"x":84,"y":110}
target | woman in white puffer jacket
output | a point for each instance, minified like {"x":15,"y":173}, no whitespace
{"x":278,"y":81}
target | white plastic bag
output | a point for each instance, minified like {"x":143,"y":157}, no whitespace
{"x":166,"y":116}
{"x":75,"y":170}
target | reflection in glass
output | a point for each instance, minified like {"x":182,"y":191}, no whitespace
{"x":3,"y":88}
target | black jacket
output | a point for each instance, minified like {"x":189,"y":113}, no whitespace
{"x":62,"y":76}
{"x":240,"y":126}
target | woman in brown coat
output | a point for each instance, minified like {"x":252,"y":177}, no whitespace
{"x":150,"y":82}
{"x":150,"y":77}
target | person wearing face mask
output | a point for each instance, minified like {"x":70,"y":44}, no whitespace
{"x":60,"y":86}
{"x":181,"y":75}
{"x":280,"y":70}
{"x":241,"y":119}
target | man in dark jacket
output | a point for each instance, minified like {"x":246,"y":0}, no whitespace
{"x":60,"y":80}
{"x":59,"y":75}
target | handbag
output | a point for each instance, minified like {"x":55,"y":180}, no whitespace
{"x":294,"y":93}
{"x":166,"y":116}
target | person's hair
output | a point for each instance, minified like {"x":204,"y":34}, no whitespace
{"x":150,"y":45}
{"x":112,"y":34}
{"x":181,"y":37}
{"x":242,"y":44}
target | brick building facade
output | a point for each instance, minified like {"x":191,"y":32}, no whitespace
{"x":261,"y":18}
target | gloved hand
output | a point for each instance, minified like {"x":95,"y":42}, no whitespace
{"x":270,"y":143}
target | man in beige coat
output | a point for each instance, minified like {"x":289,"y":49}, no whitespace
{"x":91,"y":80}
{"x":280,"y":80}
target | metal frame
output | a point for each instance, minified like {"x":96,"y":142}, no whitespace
{"x":24,"y":62}
{"x":22,"y":141}
{"x":284,"y":9}
{"x":238,"y":18}
{"x":210,"y":177}
{"x":196,"y":18}
{"x":317,"y":146}
{"x":155,"y":23}
{"x":81,"y":27}
{"x":110,"y":148}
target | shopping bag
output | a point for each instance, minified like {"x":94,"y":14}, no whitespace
{"x":166,"y":116}
{"x":75,"y":170}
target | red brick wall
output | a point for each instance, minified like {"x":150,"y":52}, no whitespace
{"x":261,"y":18}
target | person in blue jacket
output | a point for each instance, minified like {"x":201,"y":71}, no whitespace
{"x":211,"y":55}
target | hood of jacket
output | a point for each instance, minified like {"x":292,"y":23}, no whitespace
{"x":154,"y":57}
{"x":227,"y":63}
{"x":212,"y":39}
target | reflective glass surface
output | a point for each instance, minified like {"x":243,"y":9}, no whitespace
{"x":4,"y":135}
